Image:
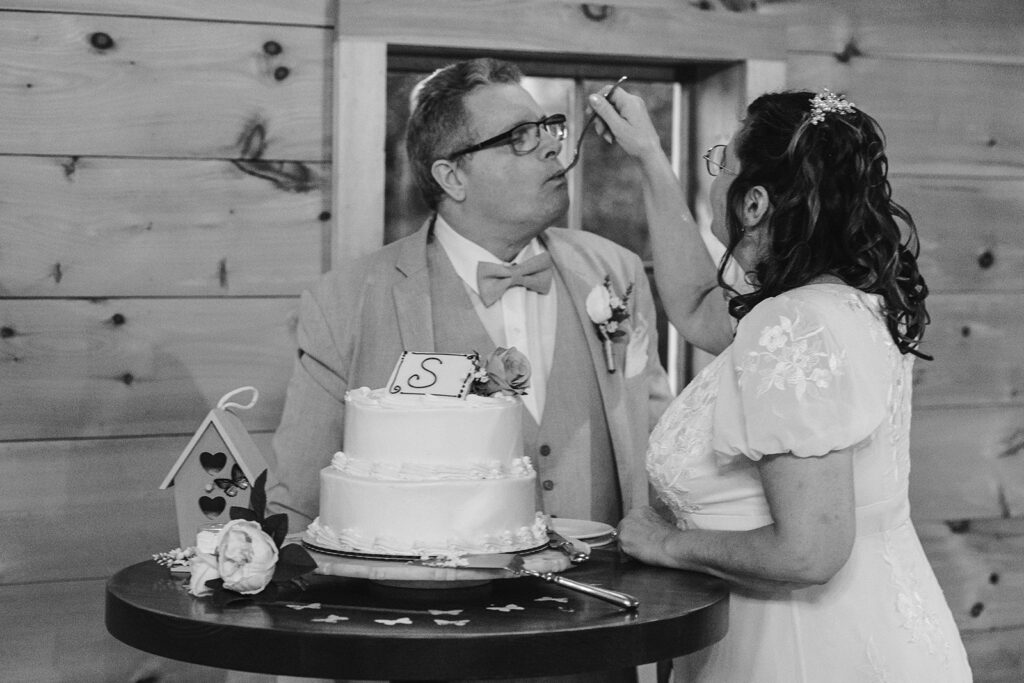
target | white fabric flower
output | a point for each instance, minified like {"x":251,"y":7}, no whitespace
{"x":599,"y":306}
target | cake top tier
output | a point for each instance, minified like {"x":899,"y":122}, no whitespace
{"x":381,"y":399}
{"x":432,"y":430}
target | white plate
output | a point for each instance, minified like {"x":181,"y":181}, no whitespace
{"x":594,"y":533}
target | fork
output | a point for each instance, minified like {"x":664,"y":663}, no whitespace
{"x":586,"y":127}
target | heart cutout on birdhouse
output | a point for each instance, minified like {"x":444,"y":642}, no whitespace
{"x":212,"y":507}
{"x":213,"y":462}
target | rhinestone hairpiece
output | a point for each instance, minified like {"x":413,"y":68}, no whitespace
{"x":827,"y":102}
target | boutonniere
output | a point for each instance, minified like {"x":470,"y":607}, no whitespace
{"x":608,"y":311}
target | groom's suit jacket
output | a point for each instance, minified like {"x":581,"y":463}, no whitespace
{"x":357,"y":320}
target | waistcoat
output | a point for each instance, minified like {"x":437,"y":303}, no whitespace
{"x":571,"y":447}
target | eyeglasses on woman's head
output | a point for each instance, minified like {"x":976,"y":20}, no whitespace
{"x":523,"y":138}
{"x":713,"y":159}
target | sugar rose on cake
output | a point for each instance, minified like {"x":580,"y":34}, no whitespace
{"x":504,"y":371}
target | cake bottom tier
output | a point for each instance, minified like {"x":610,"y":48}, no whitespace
{"x":449,"y":517}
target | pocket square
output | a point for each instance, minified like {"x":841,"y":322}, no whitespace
{"x":636,"y":349}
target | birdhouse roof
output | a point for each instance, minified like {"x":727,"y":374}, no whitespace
{"x":236,"y":439}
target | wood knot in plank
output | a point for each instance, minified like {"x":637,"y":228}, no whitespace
{"x":849,"y":52}
{"x":70,"y":166}
{"x":101,"y":41}
{"x":1012,"y":445}
{"x":959,"y":526}
{"x":596,"y":12}
{"x":291,"y":176}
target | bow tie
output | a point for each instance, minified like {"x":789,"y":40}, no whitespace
{"x":492,"y":279}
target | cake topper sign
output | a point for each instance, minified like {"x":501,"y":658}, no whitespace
{"x":440,"y":374}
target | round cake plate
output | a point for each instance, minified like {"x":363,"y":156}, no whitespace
{"x":386,"y":571}
{"x":596,"y":534}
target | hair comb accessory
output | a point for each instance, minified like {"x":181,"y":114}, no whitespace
{"x":827,"y":102}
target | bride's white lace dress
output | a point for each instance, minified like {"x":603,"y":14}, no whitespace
{"x":811,"y":372}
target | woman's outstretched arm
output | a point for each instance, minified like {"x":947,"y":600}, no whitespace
{"x":683,"y":269}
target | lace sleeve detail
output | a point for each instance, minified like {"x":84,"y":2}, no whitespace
{"x":805,"y":376}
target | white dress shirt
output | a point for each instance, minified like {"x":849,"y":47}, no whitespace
{"x":521,"y":318}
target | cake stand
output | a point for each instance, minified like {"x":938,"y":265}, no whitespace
{"x":413,"y":574}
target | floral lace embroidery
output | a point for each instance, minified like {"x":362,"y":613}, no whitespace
{"x":681,"y":440}
{"x":794,"y":355}
{"x":879,"y":667}
{"x":914,"y":614}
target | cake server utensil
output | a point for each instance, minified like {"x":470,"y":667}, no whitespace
{"x":515,"y":565}
{"x":564,"y":545}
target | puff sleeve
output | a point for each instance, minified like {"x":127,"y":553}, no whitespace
{"x":806,"y":374}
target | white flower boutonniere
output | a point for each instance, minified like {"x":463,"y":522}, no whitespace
{"x":608,"y":311}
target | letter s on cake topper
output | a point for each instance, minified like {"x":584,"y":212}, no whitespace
{"x":414,"y":380}
{"x":450,"y":374}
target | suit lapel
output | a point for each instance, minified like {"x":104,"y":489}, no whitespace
{"x":412,"y":295}
{"x":581,"y":276}
{"x":579,"y":281}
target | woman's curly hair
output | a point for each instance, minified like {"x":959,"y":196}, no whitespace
{"x":832,"y":211}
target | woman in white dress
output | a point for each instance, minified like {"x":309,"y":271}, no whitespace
{"x":784,"y":464}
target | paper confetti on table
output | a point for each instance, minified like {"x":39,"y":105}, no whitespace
{"x":394,"y":622}
{"x":456,"y":622}
{"x":548,"y":598}
{"x":332,"y":619}
{"x":439,"y":612}
{"x":506,"y":608}
{"x":310,"y":605}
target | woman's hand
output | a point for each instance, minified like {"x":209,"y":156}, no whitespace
{"x":625,"y":117}
{"x":644,"y":534}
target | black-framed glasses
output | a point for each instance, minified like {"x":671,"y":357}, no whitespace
{"x":523,"y":138}
{"x":713,"y":161}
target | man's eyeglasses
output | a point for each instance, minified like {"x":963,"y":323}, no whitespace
{"x":523,"y":138}
{"x":713,"y":160}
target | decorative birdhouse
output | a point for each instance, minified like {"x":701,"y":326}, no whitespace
{"x":216,"y":470}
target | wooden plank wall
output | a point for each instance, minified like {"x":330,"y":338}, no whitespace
{"x":166,"y":196}
{"x":165,"y":173}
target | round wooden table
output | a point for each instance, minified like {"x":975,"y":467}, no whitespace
{"x":356,"y":628}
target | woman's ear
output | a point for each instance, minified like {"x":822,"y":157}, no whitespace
{"x":756,"y":207}
{"x":449,"y":176}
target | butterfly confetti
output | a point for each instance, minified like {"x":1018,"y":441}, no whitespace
{"x":506,"y":608}
{"x":439,"y":612}
{"x":394,"y":622}
{"x":455,"y":622}
{"x":331,"y":618}
{"x":548,"y":598}
{"x":310,"y":605}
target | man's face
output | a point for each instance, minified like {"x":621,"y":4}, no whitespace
{"x":521,"y":194}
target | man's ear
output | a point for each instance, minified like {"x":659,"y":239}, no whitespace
{"x":756,"y":206}
{"x":450,"y":177}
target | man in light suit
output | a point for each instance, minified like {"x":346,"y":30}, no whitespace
{"x":486,"y":159}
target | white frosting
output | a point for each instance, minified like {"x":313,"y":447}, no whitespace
{"x":429,"y":475}
{"x":411,"y":471}
{"x":434,"y":430}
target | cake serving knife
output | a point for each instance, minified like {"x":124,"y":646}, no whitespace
{"x":514,"y":564}
{"x":561,"y":543}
